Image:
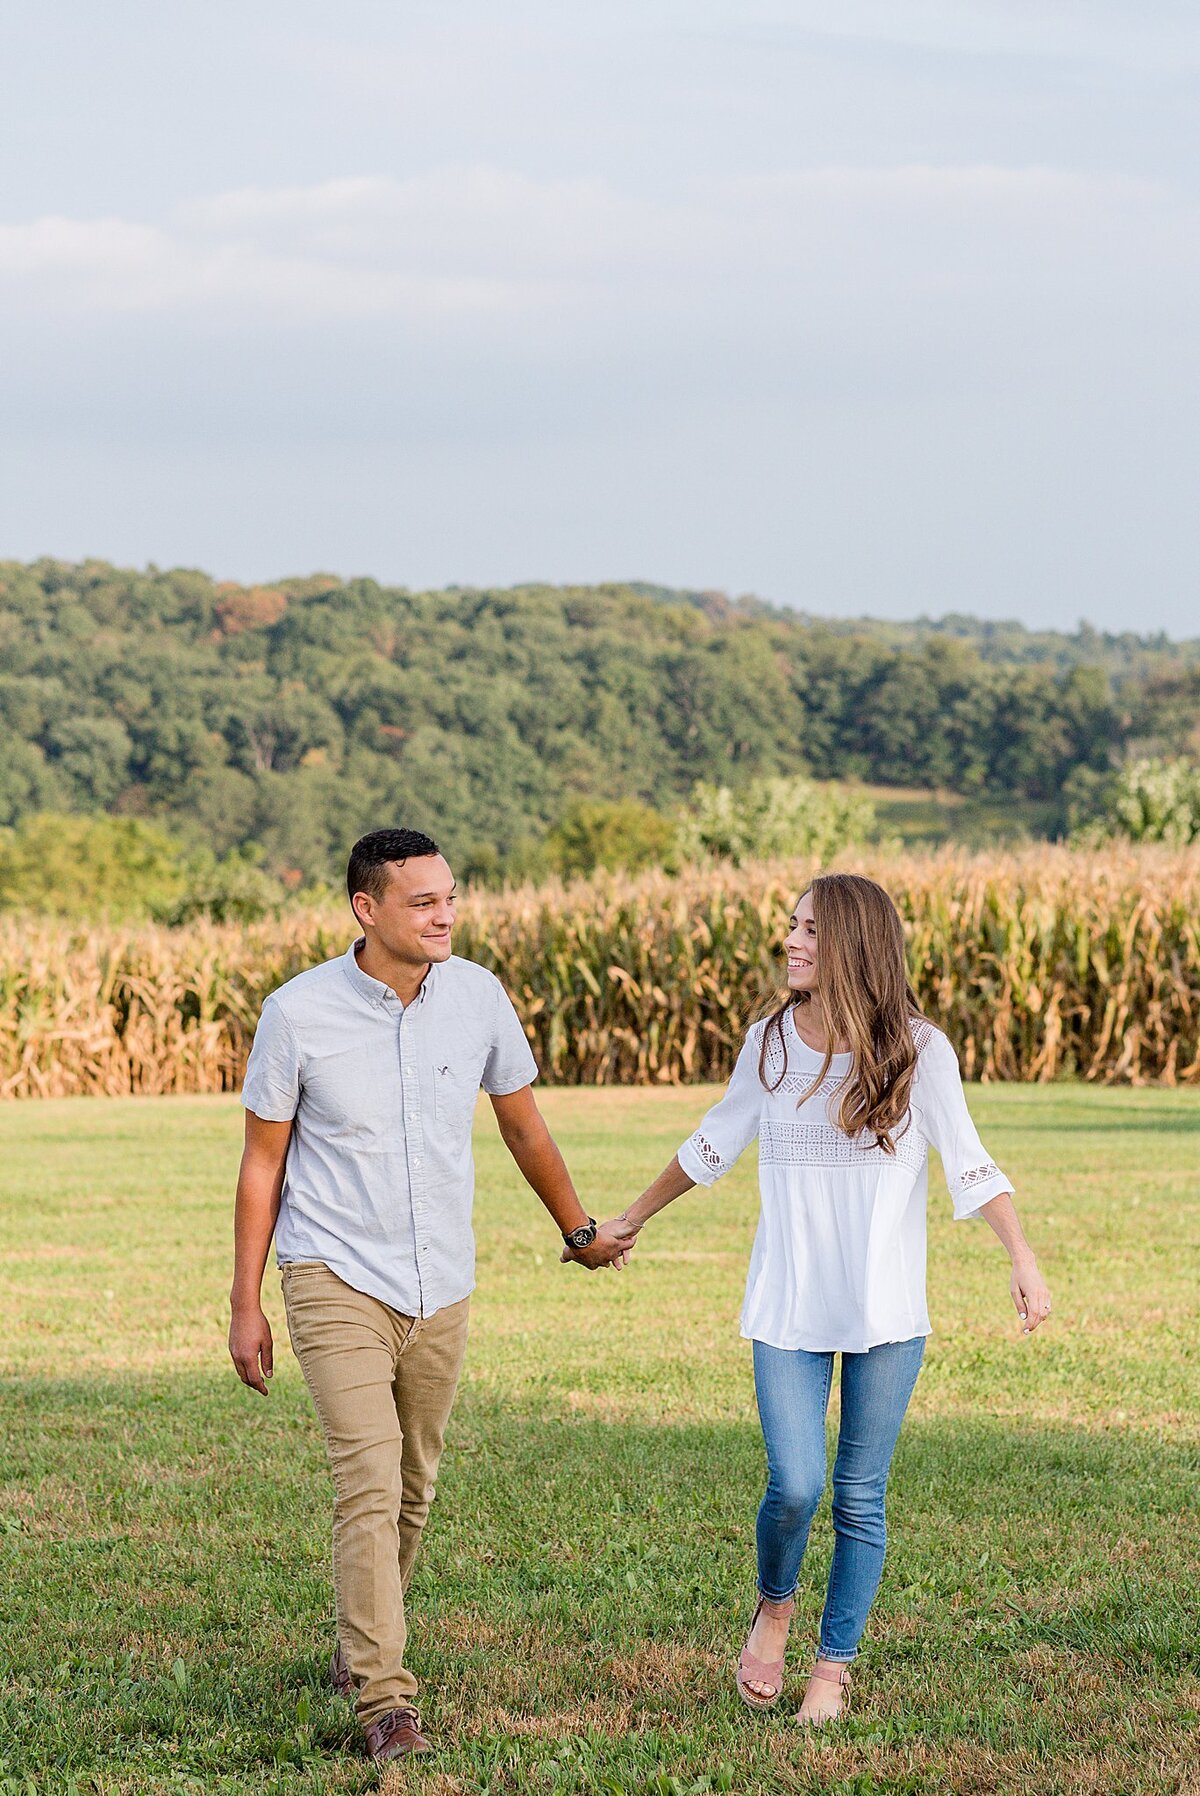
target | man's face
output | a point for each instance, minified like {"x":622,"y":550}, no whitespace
{"x":415,"y":916}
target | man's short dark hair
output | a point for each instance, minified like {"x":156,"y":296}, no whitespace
{"x":368,"y":869}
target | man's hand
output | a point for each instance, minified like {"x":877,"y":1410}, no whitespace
{"x":612,"y":1246}
{"x":250,"y":1346}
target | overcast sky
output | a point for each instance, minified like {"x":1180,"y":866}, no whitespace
{"x":881,"y":306}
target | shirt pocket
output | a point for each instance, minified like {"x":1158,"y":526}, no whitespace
{"x":455,"y":1090}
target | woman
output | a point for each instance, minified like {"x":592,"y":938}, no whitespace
{"x":846,"y":1085}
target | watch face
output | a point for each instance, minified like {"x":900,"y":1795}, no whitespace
{"x":582,"y":1237}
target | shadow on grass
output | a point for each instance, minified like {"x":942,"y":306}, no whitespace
{"x":164,"y":1582}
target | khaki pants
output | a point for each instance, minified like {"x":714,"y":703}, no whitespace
{"x":382,"y":1385}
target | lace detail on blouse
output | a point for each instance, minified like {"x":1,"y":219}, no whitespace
{"x":819,"y":1144}
{"x":709,"y":1154}
{"x":774,"y":1059}
{"x":800,"y":1085}
{"x":803,"y":1085}
{"x":976,"y":1175}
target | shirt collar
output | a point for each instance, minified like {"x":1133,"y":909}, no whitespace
{"x":374,"y":990}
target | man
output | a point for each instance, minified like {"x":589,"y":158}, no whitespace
{"x":360,"y":1094}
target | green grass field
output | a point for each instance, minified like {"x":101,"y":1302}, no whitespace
{"x":165,"y":1603}
{"x":925,"y":819}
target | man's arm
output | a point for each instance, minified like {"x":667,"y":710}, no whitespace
{"x":535,"y":1151}
{"x":259,"y":1187}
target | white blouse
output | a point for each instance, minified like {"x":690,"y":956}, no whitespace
{"x":838,"y":1263}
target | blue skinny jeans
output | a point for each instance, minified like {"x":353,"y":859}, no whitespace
{"x":792,"y":1387}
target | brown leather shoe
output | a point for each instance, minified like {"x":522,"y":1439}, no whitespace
{"x":339,"y":1673}
{"x":396,"y":1735}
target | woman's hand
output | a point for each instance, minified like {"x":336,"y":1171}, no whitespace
{"x":1030,"y":1293}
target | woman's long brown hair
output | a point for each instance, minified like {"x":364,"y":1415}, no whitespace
{"x":866,"y":999}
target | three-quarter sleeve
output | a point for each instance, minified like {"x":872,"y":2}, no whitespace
{"x":971,"y":1174}
{"x":731,"y":1125}
{"x":271,"y":1088}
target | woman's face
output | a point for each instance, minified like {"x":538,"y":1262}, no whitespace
{"x":801,"y":945}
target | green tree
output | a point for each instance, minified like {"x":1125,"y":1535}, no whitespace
{"x":91,"y":756}
{"x":89,"y":866}
{"x":772,"y":817}
{"x":28,"y":783}
{"x":611,"y":833}
{"x":228,"y":890}
{"x":1149,"y":800}
{"x":81,"y":866}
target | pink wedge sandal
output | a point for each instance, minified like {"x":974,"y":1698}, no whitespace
{"x":760,"y":1671}
{"x":842,"y":1679}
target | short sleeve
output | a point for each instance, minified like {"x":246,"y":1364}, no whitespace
{"x":510,"y":1063}
{"x":731,"y":1125}
{"x":272,"y":1084}
{"x":972,"y":1175}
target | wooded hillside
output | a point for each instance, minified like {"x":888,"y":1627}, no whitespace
{"x":296,"y":715}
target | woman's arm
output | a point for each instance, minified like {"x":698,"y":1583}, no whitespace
{"x":725,"y":1132}
{"x":1030,"y":1292}
{"x":671,"y":1183}
{"x":977,"y":1185}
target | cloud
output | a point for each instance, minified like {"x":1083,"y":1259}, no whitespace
{"x":473,"y":221}
{"x":479,"y":243}
{"x":115,"y":265}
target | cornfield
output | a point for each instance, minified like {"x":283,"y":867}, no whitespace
{"x":1041,"y":964}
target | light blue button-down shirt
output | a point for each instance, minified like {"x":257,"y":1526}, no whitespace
{"x":380,"y":1178}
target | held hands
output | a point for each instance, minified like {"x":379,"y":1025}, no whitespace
{"x":1030,"y":1294}
{"x":612,"y":1246}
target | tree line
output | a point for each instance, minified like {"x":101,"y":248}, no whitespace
{"x":280,"y":721}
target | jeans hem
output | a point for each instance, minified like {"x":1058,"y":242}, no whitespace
{"x":768,"y":1597}
{"x":836,"y":1658}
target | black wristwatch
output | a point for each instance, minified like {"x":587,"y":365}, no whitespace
{"x":582,"y":1237}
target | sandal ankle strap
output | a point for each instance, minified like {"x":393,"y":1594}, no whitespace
{"x":784,"y":1610}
